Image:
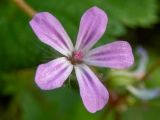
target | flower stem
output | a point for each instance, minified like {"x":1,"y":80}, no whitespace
{"x":25,"y":7}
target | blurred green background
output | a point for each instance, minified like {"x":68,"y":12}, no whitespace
{"x":137,"y":21}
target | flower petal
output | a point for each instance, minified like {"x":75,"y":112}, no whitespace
{"x":92,"y":26}
{"x":50,"y":31}
{"x":144,"y":93}
{"x":116,"y":55}
{"x":53,"y":74}
{"x":92,"y":91}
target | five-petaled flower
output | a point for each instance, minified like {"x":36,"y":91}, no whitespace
{"x":117,"y":55}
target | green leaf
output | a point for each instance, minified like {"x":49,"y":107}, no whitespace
{"x":134,"y":13}
{"x":19,"y":47}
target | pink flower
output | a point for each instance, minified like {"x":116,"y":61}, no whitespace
{"x":53,"y":74}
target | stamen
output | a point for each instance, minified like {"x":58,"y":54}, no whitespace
{"x":76,"y":58}
{"x":77,"y":55}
